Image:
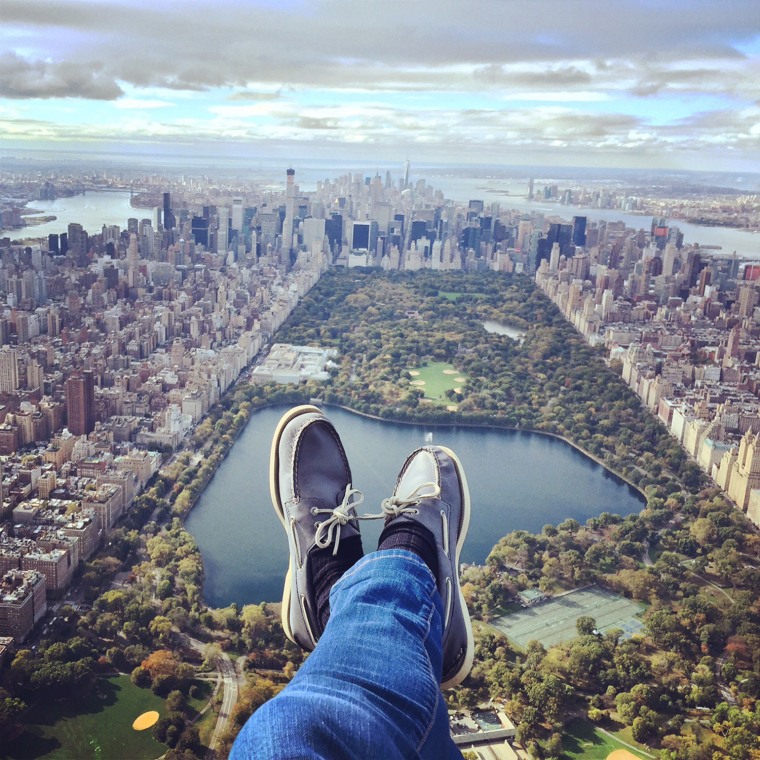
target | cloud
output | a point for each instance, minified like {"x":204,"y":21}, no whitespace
{"x":549,"y":77}
{"x":310,"y":122}
{"x":40,"y":79}
{"x":482,"y":74}
{"x":256,"y":96}
{"x":511,"y":134}
{"x":342,"y":43}
{"x":726,"y":78}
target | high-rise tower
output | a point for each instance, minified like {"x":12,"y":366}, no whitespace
{"x":80,"y":403}
{"x":170,"y":221}
{"x":78,"y":243}
{"x":8,"y":370}
{"x":237,"y":214}
{"x":287,"y":224}
{"x":222,"y":235}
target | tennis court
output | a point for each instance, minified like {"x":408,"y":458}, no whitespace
{"x":553,"y":621}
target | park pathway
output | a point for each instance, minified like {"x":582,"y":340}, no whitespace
{"x":618,"y":739}
{"x":230,"y":679}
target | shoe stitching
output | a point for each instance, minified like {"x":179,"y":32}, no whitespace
{"x":297,"y":545}
{"x":305,"y":615}
{"x":449,"y":603}
{"x":294,"y":451}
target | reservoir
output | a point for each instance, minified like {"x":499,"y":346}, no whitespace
{"x":517,"y":480}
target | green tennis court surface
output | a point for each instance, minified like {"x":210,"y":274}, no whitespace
{"x":553,"y":621}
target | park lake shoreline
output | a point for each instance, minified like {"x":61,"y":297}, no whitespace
{"x":244,"y":553}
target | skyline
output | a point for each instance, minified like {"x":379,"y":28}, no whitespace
{"x":619,"y":84}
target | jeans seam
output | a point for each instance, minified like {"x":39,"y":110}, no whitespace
{"x":433,"y":589}
{"x":433,"y":680}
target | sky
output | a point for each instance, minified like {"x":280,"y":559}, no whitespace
{"x":611,"y":83}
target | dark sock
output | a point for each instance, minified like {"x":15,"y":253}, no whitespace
{"x":326,"y":569}
{"x":412,"y":536}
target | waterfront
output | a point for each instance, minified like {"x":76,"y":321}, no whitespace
{"x":95,"y":208}
{"x":518,"y":480}
{"x":92,"y":210}
{"x":496,"y":328}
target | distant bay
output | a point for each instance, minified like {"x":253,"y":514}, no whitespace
{"x":92,"y":210}
{"x":517,"y":479}
{"x":96,"y":208}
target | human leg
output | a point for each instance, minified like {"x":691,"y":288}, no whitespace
{"x":429,"y":512}
{"x":371,"y":688}
{"x":310,"y":484}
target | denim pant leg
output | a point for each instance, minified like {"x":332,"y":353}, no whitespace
{"x":371,"y":688}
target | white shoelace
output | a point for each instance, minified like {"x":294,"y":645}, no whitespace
{"x":329,"y":530}
{"x":396,"y":505}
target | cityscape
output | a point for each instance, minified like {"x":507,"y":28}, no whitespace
{"x":117,"y":342}
{"x":525,"y":231}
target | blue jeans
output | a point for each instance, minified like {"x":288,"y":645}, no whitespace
{"x":371,"y":688}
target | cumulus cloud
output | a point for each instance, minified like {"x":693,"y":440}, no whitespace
{"x":549,"y":77}
{"x":727,"y":78}
{"x":310,"y":122}
{"x":41,"y":79}
{"x":596,"y":76}
{"x":341,"y":42}
{"x":256,"y":96}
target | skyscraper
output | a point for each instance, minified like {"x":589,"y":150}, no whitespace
{"x":579,"y":231}
{"x":78,"y":243}
{"x":364,"y":236}
{"x":562,"y":234}
{"x":170,"y":221}
{"x":199,"y":227}
{"x":237,"y":214}
{"x":222,"y":235}
{"x":8,"y":370}
{"x":287,"y":224}
{"x":80,"y":403}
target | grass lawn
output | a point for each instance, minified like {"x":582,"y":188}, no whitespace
{"x":204,"y":694}
{"x":582,"y":741}
{"x":207,"y":722}
{"x":438,"y":377}
{"x":98,"y":725}
{"x":655,"y":552}
{"x":206,"y":725}
{"x":452,"y":295}
{"x":722,"y":598}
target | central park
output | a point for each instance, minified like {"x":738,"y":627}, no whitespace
{"x":675,"y":674}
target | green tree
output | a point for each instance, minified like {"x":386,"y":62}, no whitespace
{"x":585,"y":625}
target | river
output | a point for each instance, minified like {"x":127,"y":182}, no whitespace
{"x":92,"y":210}
{"x":518,"y":480}
{"x":512,"y":194}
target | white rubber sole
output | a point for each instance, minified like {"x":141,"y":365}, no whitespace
{"x":274,"y":490}
{"x":466,"y":665}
